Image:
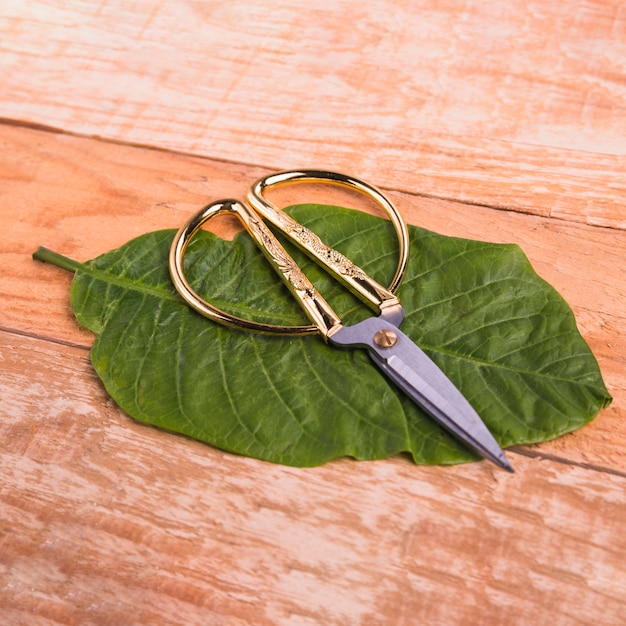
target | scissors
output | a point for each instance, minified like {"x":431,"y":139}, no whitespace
{"x":395,"y":354}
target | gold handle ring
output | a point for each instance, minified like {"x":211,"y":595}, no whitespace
{"x":257,"y":200}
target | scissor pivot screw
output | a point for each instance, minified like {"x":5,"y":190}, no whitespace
{"x":385,"y":338}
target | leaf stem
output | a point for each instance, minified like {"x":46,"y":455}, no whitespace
{"x":54,"y":258}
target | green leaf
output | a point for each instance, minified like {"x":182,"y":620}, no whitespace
{"x":501,"y":334}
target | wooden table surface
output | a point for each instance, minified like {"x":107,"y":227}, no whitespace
{"x":501,"y":121}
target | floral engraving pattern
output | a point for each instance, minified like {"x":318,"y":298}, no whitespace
{"x":281,"y":259}
{"x":335,"y":260}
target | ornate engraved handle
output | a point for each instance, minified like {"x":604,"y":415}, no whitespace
{"x":314,"y":305}
{"x":354,"y":277}
{"x":324,"y":319}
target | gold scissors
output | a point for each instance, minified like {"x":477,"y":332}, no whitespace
{"x":395,"y":354}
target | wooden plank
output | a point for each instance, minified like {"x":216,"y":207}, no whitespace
{"x":484,"y":102}
{"x":496,"y":121}
{"x":83,"y":197}
{"x":106,"y":521}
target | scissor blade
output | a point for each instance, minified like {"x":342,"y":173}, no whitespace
{"x":420,"y":378}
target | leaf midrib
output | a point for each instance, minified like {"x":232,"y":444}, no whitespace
{"x":163,"y":293}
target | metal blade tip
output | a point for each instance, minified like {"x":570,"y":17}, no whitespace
{"x":504,"y":463}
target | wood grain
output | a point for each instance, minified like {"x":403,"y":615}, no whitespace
{"x":105,"y":521}
{"x":489,"y":120}
{"x":484,"y":102}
